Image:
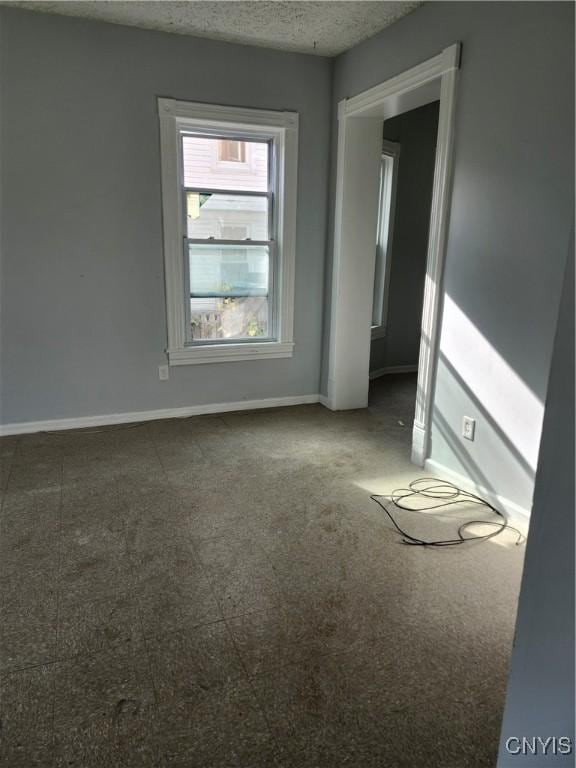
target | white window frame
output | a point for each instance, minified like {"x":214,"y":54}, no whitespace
{"x":282,"y":128}
{"x":385,"y":235}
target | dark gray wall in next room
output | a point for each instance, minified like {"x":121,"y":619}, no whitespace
{"x":416,"y":132}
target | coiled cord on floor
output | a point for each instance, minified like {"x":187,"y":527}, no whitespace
{"x":444,"y":494}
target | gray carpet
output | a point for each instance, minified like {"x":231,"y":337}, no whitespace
{"x":221,"y":591}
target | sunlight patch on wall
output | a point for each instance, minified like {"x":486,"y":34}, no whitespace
{"x":509,"y":404}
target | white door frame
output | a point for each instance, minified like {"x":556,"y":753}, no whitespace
{"x":360,"y":120}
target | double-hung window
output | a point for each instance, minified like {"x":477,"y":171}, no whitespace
{"x":229,"y":208}
{"x":385,"y":233}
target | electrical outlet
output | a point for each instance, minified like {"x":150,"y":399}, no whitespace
{"x":163,"y":372}
{"x":468,"y":427}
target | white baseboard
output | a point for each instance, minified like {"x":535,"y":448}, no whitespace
{"x":82,"y":422}
{"x":517,"y":515}
{"x":392,"y":369}
{"x":419,"y":445}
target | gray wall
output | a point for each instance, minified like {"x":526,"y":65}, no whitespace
{"x":83,"y":314}
{"x":416,"y":132}
{"x":540,"y":699}
{"x":509,"y":222}
{"x":83,"y":308}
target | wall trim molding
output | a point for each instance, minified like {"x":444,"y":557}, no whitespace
{"x":436,"y":67}
{"x":437,"y":241}
{"x":281,"y":128}
{"x":215,"y":353}
{"x":419,"y":445}
{"x":83,"y":422}
{"x":375,"y":374}
{"x":517,"y":515}
{"x":360,"y":121}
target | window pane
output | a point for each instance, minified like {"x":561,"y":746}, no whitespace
{"x":382,"y":240}
{"x":224,"y":164}
{"x":228,"y":292}
{"x":227,"y":217}
{"x":243,"y":318}
{"x":228,"y":270}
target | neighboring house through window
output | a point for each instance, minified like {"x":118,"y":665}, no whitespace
{"x":229,"y":203}
{"x":232,"y":151}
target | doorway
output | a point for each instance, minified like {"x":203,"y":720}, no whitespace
{"x":405,"y":200}
{"x":361,"y":121}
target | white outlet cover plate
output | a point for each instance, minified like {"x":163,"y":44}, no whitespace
{"x":468,"y":427}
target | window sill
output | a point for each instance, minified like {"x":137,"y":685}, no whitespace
{"x":378,"y":331}
{"x":218,"y":353}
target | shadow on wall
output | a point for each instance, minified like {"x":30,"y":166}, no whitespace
{"x":470,"y":468}
{"x":486,"y":417}
{"x":452,"y":438}
{"x":482,"y":384}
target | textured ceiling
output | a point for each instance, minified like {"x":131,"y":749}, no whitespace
{"x":325,"y":28}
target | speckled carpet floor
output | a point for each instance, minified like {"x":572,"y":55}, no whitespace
{"x":221,"y":591}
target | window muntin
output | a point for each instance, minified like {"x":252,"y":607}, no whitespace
{"x":230,"y":240}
